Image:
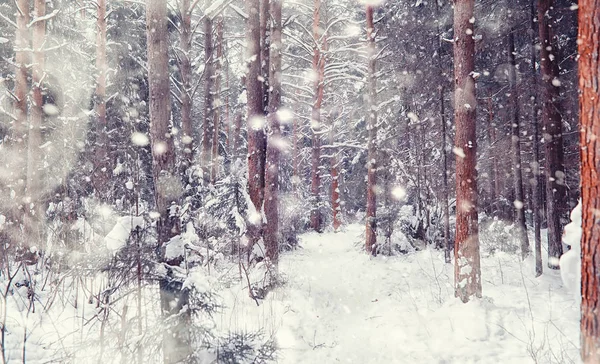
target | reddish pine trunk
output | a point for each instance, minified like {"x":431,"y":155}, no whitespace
{"x":371,"y":217}
{"x":185,"y":69}
{"x":556,"y":193}
{"x":217,"y":101}
{"x":254,"y":89}
{"x":319,"y":74}
{"x":516,"y":151}
{"x":208,"y":97}
{"x":102,"y":164}
{"x":34,"y":175}
{"x":21,"y":58}
{"x":467,"y":271}
{"x":271,"y":230}
{"x":589,"y":104}
{"x":174,"y":300}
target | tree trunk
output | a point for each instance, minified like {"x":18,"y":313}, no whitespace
{"x":102,"y":167}
{"x":315,"y":123}
{"x":256,"y":117}
{"x":209,"y":88}
{"x":445,"y":204}
{"x":264,"y":52}
{"x":535,"y":168}
{"x":174,"y":298}
{"x":589,"y":104}
{"x":371,"y":228}
{"x":21,"y":59}
{"x":217,"y":101}
{"x":519,"y":201}
{"x":556,"y":193}
{"x":185,"y":71}
{"x":467,"y":271}
{"x":271,"y":229}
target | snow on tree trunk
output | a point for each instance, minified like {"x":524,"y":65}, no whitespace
{"x":519,"y":202}
{"x":467,"y":271}
{"x":371,"y":217}
{"x":102,"y":163}
{"x":274,"y":141}
{"x":318,"y":67}
{"x":217,"y":101}
{"x":174,"y":299}
{"x":552,"y":132}
{"x":185,"y":71}
{"x":209,"y":88}
{"x":589,"y":104}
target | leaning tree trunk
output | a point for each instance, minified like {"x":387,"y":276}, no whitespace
{"x":519,"y":201}
{"x":174,"y":298}
{"x":589,"y":104}
{"x":467,"y":271}
{"x":556,"y":192}
{"x":271,"y":229}
{"x":371,"y":228}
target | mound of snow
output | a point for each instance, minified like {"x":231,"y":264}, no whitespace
{"x":117,"y":237}
{"x":570,"y":262}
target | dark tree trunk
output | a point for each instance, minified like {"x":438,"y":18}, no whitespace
{"x":467,"y":271}
{"x":556,"y":192}
{"x":174,"y":298}
{"x":536,"y":183}
{"x":445,"y":204}
{"x":371,"y":217}
{"x":319,"y":72}
{"x":217,"y":101}
{"x":271,"y":230}
{"x":589,"y":104}
{"x":519,"y":199}
{"x":22,"y":42}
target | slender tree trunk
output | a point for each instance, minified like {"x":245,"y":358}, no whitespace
{"x":335,"y":186}
{"x":256,"y":118}
{"x":102,"y":165}
{"x":556,"y":193}
{"x":264,"y":52}
{"x":174,"y":298}
{"x":371,"y":229}
{"x":536,"y":185}
{"x":491,"y":136}
{"x":209,"y":89}
{"x":519,"y":202}
{"x":446,"y":197}
{"x":319,"y":71}
{"x":22,"y":44}
{"x":271,"y":230}
{"x":467,"y":270}
{"x":217,"y":101}
{"x":185,"y":70}
{"x":589,"y":104}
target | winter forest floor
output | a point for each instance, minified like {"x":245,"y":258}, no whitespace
{"x":340,"y":305}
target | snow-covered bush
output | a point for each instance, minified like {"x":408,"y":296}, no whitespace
{"x":497,"y":235}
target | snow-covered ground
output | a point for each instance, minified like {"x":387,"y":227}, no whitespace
{"x":340,"y":305}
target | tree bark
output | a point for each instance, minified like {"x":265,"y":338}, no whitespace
{"x":445,"y":204}
{"x":217,"y":101}
{"x":271,"y":229}
{"x":22,"y":44}
{"x":102,"y":167}
{"x":185,"y":71}
{"x":209,"y":88}
{"x":556,"y":192}
{"x":467,"y":271}
{"x":174,"y":298}
{"x":256,"y":117}
{"x":519,"y":201}
{"x":536,"y":185}
{"x":371,"y":217}
{"x":315,"y":123}
{"x":589,"y":104}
